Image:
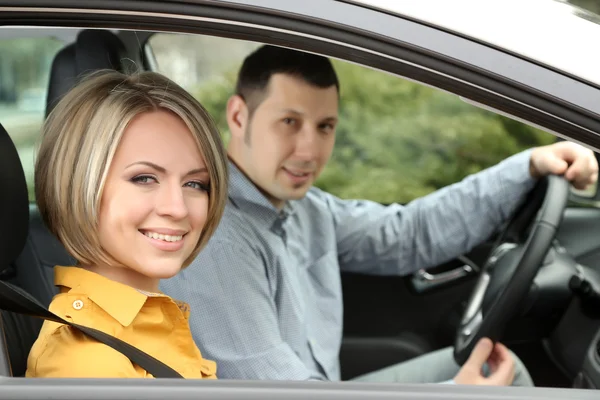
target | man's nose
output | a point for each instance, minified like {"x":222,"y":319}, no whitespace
{"x":307,"y":143}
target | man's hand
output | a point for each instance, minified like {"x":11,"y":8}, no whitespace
{"x":500,"y":362}
{"x":575,"y":162}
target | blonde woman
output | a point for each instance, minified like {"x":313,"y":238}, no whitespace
{"x":131,"y":176}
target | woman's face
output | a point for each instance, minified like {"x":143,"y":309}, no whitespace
{"x":155,"y":201}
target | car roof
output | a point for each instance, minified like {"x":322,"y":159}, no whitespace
{"x":554,"y":33}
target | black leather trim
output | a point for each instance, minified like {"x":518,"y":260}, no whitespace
{"x":14,"y":213}
{"x":26,"y":245}
{"x":361,"y":355}
{"x":93,"y":50}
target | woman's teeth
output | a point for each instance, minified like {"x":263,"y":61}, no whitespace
{"x":166,"y":238}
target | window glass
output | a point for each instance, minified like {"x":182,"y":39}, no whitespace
{"x":206,"y":66}
{"x":24,"y":72}
{"x":396,"y":140}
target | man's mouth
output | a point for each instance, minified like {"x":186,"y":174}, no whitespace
{"x":296,"y":173}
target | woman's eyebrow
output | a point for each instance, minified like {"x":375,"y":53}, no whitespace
{"x":164,"y":171}
{"x":149,"y":164}
{"x":197,"y":171}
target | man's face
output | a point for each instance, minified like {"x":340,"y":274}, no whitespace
{"x":288,"y":140}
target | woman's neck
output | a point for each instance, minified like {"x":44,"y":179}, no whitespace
{"x":125,"y":276}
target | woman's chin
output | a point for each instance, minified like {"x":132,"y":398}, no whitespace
{"x":162,"y":271}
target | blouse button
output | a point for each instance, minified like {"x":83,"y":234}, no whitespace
{"x":78,"y":304}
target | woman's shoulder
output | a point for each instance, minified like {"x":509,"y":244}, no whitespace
{"x":62,"y":351}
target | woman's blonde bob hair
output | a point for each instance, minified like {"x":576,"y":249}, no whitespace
{"x":79,"y":140}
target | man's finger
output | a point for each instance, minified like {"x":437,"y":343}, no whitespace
{"x":578,"y":168}
{"x":493,"y":363}
{"x":581,"y":173}
{"x":480,"y":354}
{"x":501,"y":352}
{"x":594,"y":178}
{"x":504,"y":372}
{"x":567,"y":151}
{"x":550,"y":163}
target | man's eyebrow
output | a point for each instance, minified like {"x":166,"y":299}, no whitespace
{"x":292,"y":111}
{"x":163,"y":170}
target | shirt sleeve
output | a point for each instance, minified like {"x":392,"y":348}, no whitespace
{"x":398,"y":240}
{"x":68,"y":353}
{"x":234,"y":318}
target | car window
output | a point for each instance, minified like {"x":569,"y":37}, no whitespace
{"x":396,"y":140}
{"x":24,"y":71}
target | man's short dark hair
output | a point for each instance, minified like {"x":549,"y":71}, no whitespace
{"x":263,"y":63}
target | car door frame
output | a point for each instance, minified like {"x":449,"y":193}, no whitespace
{"x":347,"y":31}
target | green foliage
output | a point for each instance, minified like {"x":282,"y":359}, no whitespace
{"x":24,"y":71}
{"x":26,"y":63}
{"x":214,"y":95}
{"x":398,"y":140}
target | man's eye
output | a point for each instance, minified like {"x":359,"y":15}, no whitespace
{"x":327,"y":127}
{"x":289,"y":121}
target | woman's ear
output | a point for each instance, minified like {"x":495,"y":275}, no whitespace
{"x":237,"y":116}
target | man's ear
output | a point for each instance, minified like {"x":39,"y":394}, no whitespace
{"x":237,"y":116}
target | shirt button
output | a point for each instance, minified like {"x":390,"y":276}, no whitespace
{"x":78,"y":304}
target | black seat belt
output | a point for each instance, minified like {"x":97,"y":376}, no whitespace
{"x":15,"y":299}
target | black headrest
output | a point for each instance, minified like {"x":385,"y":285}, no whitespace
{"x":93,"y":50}
{"x":14,"y":202}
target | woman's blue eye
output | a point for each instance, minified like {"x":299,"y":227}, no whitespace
{"x":198,"y":186}
{"x":148,"y":179}
{"x":143,"y":179}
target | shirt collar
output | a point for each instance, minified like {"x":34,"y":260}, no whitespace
{"x":245,"y":195}
{"x":107,"y":294}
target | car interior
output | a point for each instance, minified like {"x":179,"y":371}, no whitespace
{"x":387,"y":319}
{"x":32,"y":270}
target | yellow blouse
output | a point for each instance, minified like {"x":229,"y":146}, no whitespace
{"x":154,"y":323}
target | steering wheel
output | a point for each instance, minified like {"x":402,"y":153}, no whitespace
{"x":512,"y":265}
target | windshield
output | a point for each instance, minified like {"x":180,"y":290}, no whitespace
{"x":557,"y":33}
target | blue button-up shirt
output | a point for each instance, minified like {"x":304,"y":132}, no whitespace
{"x":265,"y":294}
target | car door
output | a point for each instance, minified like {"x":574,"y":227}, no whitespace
{"x":177,"y":17}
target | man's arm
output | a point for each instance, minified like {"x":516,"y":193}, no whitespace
{"x":233,"y":313}
{"x":431,"y":230}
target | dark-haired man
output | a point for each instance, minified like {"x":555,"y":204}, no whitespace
{"x":265,"y":293}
